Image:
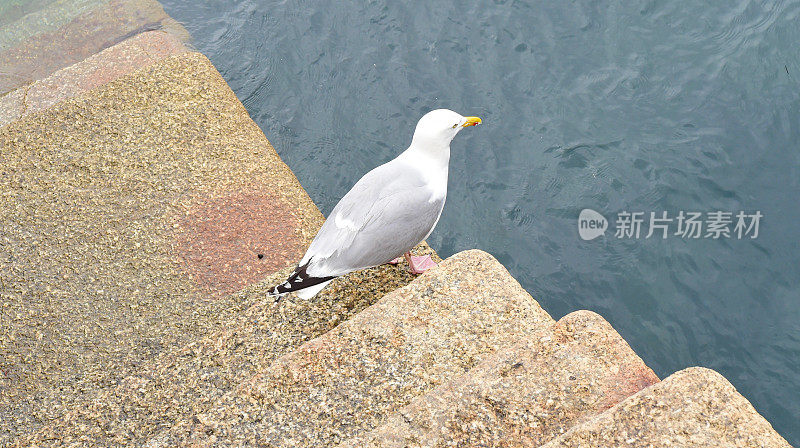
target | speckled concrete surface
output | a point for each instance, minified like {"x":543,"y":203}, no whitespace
{"x":695,"y":407}
{"x":525,"y":395}
{"x":127,"y":56}
{"x":349,"y":379}
{"x":50,"y":16}
{"x":13,"y":10}
{"x":100,"y":25}
{"x":12,"y":106}
{"x":183,"y":382}
{"x":95,"y":277}
{"x":136,"y":211}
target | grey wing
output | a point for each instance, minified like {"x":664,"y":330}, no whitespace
{"x":388,"y":212}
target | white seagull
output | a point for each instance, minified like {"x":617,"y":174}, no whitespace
{"x":386,"y":213}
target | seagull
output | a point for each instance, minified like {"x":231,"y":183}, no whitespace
{"x":386,"y":214}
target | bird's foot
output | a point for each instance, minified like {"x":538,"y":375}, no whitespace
{"x":396,"y":260}
{"x":418,"y":265}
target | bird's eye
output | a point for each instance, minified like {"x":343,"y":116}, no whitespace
{"x":454,"y":126}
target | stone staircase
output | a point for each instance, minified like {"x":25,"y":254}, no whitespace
{"x":349,"y":379}
{"x":693,"y":407}
{"x":186,"y":381}
{"x":523,"y":395}
{"x":134,"y":187}
{"x":140,"y":51}
{"x":461,"y":356}
{"x":135,"y":257}
{"x":63,"y":32}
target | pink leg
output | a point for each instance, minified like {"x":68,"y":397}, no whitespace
{"x":418,"y":265}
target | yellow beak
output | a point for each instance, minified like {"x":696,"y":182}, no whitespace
{"x":471,"y":121}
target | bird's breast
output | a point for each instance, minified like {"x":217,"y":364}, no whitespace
{"x":432,"y":170}
{"x":438,"y":191}
{"x":435,"y":181}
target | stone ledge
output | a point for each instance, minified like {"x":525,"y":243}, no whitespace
{"x":13,"y":10}
{"x":345,"y":381}
{"x":103,"y":194}
{"x":84,"y":27}
{"x":524,"y":395}
{"x":51,"y":16}
{"x":696,"y":407}
{"x":130,"y":55}
{"x":187,"y":381}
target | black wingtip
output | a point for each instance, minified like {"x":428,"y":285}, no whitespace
{"x":297,"y":281}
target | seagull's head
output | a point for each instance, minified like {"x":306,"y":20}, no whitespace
{"x":438,"y":127}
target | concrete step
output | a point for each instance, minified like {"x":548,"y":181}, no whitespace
{"x":183,"y":382}
{"x":47,"y":18}
{"x":348,"y":380}
{"x":68,"y":31}
{"x":130,"y":215}
{"x":125,"y":57}
{"x":695,"y":407}
{"x":525,"y":395}
{"x":13,"y":10}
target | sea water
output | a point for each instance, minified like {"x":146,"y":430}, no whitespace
{"x":633,"y":110}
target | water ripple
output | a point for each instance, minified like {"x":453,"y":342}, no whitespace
{"x":659,"y":105}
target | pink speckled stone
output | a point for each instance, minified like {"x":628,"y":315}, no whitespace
{"x":525,"y":395}
{"x":127,"y":56}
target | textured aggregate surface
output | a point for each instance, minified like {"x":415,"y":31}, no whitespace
{"x":695,"y":407}
{"x":95,"y":274}
{"x":68,"y":31}
{"x":524,"y":395}
{"x":351,"y":378}
{"x":127,"y":56}
{"x":142,"y":223}
{"x":649,"y":106}
{"x":49,"y":16}
{"x":13,"y":10}
{"x":185,"y":381}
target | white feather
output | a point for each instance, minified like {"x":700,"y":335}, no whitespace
{"x":389,"y":210}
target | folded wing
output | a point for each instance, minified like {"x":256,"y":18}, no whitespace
{"x":388,"y":212}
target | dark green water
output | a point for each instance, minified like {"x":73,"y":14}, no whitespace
{"x":653,"y":106}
